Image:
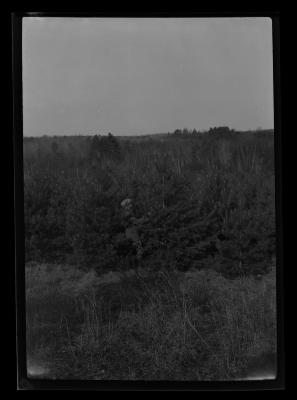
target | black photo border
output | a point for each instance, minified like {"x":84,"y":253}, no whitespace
{"x":26,"y":383}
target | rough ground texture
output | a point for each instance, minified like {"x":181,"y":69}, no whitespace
{"x":163,"y":326}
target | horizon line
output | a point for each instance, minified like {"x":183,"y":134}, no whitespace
{"x":144,"y":134}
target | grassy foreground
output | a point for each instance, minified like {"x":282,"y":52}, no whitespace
{"x":162,"y":326}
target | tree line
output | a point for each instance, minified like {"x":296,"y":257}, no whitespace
{"x":210,"y":201}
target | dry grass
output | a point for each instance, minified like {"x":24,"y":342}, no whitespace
{"x":193,"y":326}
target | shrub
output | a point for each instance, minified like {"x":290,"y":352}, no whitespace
{"x":72,"y":202}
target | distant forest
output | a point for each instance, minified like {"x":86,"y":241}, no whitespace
{"x":209,"y":198}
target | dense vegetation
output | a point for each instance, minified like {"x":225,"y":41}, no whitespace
{"x":199,"y":304}
{"x":209,"y":197}
{"x":164,"y":326}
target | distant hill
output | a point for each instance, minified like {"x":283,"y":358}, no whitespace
{"x":82,"y":142}
{"x":263,"y":132}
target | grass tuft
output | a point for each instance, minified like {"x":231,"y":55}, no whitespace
{"x":179,"y":326}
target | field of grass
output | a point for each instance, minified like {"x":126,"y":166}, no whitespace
{"x":194,"y":325}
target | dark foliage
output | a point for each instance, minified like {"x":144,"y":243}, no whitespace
{"x":207,"y":200}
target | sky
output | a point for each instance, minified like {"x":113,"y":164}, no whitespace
{"x":134,"y":76}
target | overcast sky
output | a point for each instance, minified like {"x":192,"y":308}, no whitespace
{"x":137,"y":76}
